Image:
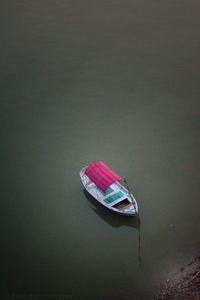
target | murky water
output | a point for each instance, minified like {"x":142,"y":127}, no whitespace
{"x":102,"y":80}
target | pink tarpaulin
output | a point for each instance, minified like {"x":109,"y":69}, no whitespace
{"x":101,"y":175}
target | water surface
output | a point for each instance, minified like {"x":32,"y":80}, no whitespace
{"x":103,"y":80}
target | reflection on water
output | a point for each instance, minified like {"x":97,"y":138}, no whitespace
{"x":115,"y":220}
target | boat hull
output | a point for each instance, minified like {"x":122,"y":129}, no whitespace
{"x":95,"y":192}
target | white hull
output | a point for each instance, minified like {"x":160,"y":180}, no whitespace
{"x":131,"y":209}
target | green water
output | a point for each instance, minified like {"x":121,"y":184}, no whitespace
{"x":97,"y":80}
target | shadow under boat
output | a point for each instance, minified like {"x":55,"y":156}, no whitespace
{"x":116,"y":220}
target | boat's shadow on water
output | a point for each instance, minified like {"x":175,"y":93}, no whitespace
{"x":115,"y":220}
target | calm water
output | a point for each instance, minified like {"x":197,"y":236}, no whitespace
{"x":97,"y":80}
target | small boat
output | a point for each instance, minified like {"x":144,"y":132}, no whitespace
{"x":106,"y":187}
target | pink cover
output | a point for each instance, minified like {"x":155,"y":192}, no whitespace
{"x":101,"y":175}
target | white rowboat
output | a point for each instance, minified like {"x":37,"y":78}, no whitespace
{"x":106,"y":187}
